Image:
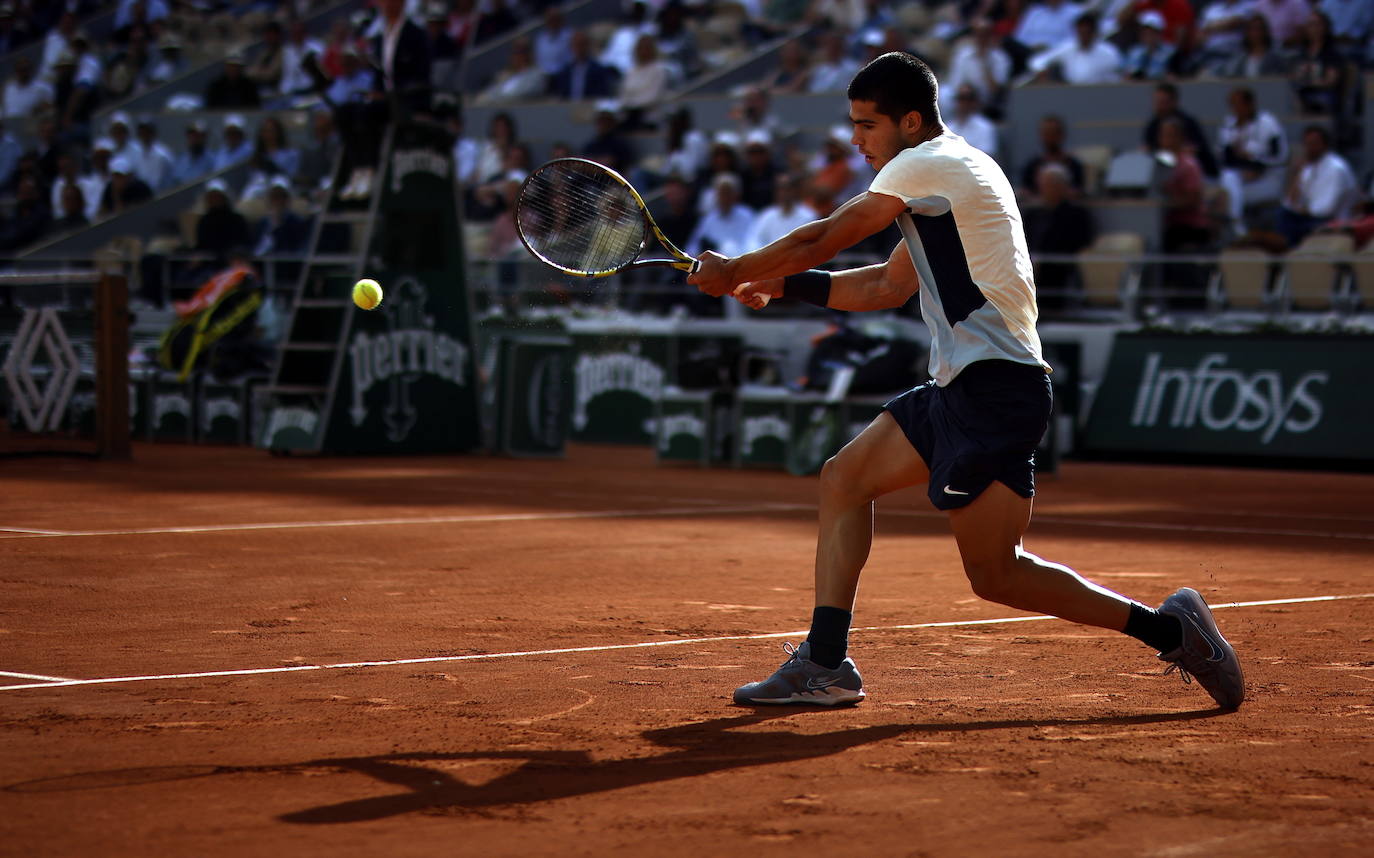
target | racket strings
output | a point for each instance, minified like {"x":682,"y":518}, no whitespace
{"x":580,"y":217}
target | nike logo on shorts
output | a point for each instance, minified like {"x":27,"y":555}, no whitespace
{"x":950,"y":491}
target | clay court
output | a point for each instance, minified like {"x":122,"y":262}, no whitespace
{"x":216,"y":652}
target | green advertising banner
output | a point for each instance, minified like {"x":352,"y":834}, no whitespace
{"x":1295,"y":397}
{"x":684,"y":426}
{"x":617,"y":379}
{"x":408,"y":381}
{"x":536,"y":396}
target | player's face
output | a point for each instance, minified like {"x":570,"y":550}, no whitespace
{"x":877,"y":136}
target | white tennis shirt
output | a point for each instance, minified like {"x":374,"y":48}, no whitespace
{"x":964,"y":231}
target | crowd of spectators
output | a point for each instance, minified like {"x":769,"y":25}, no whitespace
{"x":722,"y":187}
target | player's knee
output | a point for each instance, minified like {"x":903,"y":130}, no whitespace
{"x":840,"y":481}
{"x":990,"y":578}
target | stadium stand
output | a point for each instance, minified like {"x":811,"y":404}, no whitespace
{"x":734,"y":71}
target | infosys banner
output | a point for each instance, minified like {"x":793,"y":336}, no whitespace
{"x":1268,"y":396}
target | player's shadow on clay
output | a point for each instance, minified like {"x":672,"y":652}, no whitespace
{"x":696,"y":749}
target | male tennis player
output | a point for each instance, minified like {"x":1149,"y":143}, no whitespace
{"x":971,"y":432}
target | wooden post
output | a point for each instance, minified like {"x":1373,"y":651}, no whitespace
{"x":112,"y":367}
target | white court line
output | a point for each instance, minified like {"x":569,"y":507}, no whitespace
{"x":443,"y":519}
{"x":20,"y":533}
{"x":36,"y":676}
{"x":487,"y":656}
{"x":3,"y":530}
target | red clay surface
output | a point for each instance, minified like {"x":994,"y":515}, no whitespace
{"x":1027,"y":738}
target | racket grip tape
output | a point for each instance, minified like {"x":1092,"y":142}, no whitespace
{"x":696,"y":266}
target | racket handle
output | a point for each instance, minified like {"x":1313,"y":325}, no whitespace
{"x":696,"y":266}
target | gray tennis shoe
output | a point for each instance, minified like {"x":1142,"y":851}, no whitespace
{"x":801,"y":680}
{"x":1204,"y":653}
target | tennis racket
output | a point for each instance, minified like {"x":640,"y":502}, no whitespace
{"x":582,"y":218}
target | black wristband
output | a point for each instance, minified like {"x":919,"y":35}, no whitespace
{"x":812,"y":286}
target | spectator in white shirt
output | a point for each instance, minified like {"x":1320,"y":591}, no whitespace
{"x":1221,"y":29}
{"x":153,"y":161}
{"x":980,"y":63}
{"x":295,"y":80}
{"x":69,"y":173}
{"x":786,"y":214}
{"x":58,"y":42}
{"x":25,"y":93}
{"x":1047,"y":24}
{"x":169,"y":62}
{"x":520,"y":79}
{"x":646,"y":82}
{"x":1254,"y":150}
{"x":620,"y":47}
{"x":95,"y":182}
{"x":968,"y":121}
{"x":88,"y":66}
{"x":727,"y":227}
{"x":120,"y":132}
{"x":237,"y":147}
{"x":1084,"y":59}
{"x":553,"y":43}
{"x":1322,"y":188}
{"x":836,"y":68}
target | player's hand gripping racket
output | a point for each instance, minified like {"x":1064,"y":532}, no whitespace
{"x":583,"y":218}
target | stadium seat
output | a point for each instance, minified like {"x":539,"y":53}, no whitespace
{"x":913,"y":17}
{"x":1362,"y":271}
{"x":1311,"y":278}
{"x":1243,"y":278}
{"x":1095,"y":158}
{"x":1111,"y":283}
{"x":1130,"y":173}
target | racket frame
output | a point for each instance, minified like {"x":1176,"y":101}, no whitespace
{"x":681,"y":261}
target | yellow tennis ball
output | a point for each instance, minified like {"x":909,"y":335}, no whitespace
{"x":367,"y":294}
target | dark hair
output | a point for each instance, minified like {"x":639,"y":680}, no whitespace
{"x":1245,"y":94}
{"x":1167,"y":89}
{"x":898,"y":83}
{"x":1321,"y":132}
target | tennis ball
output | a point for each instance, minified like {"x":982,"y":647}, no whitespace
{"x":367,"y":294}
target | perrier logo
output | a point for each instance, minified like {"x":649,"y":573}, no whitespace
{"x":409,"y":349}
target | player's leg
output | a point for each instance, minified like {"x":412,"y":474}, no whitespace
{"x":989,"y":531}
{"x":878,"y":461}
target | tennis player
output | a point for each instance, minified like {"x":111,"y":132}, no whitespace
{"x":971,"y":432}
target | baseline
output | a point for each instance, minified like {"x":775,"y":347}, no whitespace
{"x":443,"y":519}
{"x":20,"y":533}
{"x":437,"y":659}
{"x":36,"y":676}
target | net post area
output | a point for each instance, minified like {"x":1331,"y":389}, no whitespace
{"x":64,"y":364}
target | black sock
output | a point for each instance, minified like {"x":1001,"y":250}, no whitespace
{"x":829,"y":637}
{"x":1160,"y":631}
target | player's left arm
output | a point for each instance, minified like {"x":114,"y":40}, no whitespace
{"x":805,"y":247}
{"x":874,"y":287}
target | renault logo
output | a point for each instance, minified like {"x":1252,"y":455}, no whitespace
{"x":41,"y":409}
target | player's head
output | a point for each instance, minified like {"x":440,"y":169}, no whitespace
{"x":893,"y":103}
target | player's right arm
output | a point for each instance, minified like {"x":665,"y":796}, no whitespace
{"x":874,"y":287}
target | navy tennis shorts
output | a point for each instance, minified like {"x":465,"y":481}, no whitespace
{"x":982,"y":427}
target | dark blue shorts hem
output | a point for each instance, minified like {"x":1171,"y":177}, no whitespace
{"x":983,"y":427}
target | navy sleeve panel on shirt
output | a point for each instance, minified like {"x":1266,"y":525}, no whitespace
{"x":959,"y":295}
